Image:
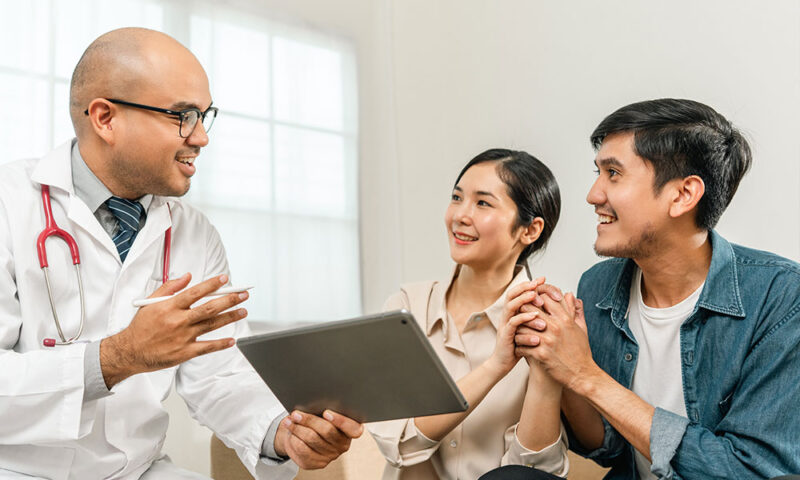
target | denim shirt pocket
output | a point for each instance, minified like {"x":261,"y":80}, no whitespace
{"x":725,"y":404}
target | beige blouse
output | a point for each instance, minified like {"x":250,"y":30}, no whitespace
{"x":487,"y":438}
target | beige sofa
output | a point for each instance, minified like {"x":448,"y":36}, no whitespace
{"x":362,"y":462}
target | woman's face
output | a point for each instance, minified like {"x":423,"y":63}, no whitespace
{"x":480,"y":220}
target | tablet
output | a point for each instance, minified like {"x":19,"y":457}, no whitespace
{"x":372,"y":368}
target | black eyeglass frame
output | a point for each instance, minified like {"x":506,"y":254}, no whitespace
{"x":181,"y":114}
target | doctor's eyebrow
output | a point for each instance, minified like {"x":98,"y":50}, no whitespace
{"x":186,"y":105}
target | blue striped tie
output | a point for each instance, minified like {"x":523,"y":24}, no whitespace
{"x":128,"y":214}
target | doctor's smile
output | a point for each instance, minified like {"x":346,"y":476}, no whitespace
{"x":116,"y":191}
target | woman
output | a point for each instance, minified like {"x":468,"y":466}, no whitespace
{"x":504,"y":207}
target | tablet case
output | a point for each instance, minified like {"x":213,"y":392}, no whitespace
{"x":372,"y":368}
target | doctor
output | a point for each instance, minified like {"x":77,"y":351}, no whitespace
{"x":92,"y":408}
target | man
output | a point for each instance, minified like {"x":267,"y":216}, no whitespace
{"x":691,"y":357}
{"x":91,"y":408}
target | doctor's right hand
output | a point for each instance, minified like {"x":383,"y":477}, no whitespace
{"x":164,"y":334}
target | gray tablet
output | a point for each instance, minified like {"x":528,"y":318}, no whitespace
{"x":372,"y":368}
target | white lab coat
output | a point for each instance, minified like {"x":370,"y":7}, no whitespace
{"x":42,"y":412}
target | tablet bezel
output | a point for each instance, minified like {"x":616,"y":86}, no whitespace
{"x":380,"y":349}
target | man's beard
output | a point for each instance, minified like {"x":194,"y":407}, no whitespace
{"x":141,"y":180}
{"x":640,"y":247}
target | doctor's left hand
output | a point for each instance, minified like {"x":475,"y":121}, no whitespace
{"x":165,"y":334}
{"x":313,"y":442}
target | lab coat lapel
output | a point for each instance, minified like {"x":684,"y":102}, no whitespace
{"x":55,"y":169}
{"x":158,"y":221}
{"x":82,"y":217}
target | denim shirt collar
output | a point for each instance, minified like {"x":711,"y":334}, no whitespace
{"x":720,"y":293}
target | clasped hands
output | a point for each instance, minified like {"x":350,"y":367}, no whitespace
{"x":549,"y":329}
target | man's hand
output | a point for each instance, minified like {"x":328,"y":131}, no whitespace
{"x":562,"y":346}
{"x":165,"y":334}
{"x":313,"y":442}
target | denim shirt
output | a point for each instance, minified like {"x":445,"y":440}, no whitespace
{"x":740,"y":351}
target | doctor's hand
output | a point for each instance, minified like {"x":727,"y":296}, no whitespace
{"x":165,"y":334}
{"x":313,"y":442}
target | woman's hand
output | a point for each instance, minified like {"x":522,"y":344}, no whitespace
{"x":504,"y":358}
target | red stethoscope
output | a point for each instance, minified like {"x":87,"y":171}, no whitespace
{"x":50,"y":229}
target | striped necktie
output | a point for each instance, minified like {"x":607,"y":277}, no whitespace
{"x":128,"y":214}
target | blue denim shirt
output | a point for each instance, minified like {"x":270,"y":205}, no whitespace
{"x":740,"y":351}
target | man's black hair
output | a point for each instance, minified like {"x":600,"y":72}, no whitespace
{"x":681,"y":138}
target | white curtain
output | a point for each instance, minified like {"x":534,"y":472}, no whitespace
{"x":279,"y":177}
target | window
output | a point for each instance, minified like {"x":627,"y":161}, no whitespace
{"x":279,"y":177}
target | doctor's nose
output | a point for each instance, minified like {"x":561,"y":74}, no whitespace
{"x":199,"y":136}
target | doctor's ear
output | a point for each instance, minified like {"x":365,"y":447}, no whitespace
{"x":102,"y":116}
{"x":533,"y":231}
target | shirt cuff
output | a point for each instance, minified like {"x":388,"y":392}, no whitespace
{"x":666,"y":434}
{"x":552,"y":458}
{"x":612,"y":443}
{"x":268,"y":445}
{"x":94,"y":385}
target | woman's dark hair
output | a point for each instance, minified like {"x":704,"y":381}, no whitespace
{"x":680,"y":138}
{"x":532,"y":187}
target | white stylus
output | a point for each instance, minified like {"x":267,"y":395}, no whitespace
{"x":141,"y":302}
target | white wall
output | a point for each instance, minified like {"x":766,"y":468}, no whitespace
{"x":539,"y":76}
{"x":442,"y":80}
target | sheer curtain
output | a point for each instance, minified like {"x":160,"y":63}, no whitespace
{"x":279,"y":177}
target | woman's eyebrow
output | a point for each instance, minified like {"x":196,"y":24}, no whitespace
{"x":479,"y":192}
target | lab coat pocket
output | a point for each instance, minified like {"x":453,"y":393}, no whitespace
{"x":30,"y":460}
{"x":151,"y":286}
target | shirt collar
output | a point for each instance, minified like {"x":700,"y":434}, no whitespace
{"x":720,"y":293}
{"x":438,"y":308}
{"x":88,"y":187}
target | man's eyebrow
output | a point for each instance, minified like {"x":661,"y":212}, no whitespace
{"x":186,"y":105}
{"x":608,"y":162}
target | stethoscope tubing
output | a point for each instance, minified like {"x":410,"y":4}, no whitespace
{"x":52,"y":229}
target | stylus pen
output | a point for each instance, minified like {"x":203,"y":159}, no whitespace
{"x":141,"y":302}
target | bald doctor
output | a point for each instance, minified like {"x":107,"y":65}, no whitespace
{"x":90,"y":407}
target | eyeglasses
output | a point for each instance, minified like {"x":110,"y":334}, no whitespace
{"x":187,"y":117}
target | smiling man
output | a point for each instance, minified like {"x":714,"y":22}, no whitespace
{"x":86,"y":402}
{"x":691,"y":357}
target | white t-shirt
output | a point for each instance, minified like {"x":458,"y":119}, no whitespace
{"x":657,"y":378}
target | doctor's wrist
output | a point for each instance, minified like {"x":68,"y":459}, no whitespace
{"x":112,"y":361}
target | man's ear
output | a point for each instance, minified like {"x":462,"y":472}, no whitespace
{"x":103,"y":118}
{"x":532,"y":232}
{"x":686,"y":194}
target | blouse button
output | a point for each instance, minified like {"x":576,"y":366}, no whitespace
{"x":628,"y":357}
{"x":453,"y":443}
